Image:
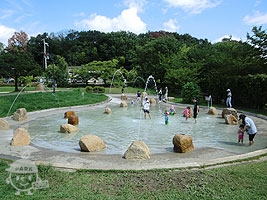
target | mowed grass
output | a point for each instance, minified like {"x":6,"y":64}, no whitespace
{"x":45,"y":100}
{"x":245,"y":181}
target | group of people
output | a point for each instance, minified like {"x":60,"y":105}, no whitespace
{"x":247,"y":124}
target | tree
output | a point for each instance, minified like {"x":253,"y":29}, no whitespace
{"x":17,"y":61}
{"x":259,"y":40}
{"x":18,"y":42}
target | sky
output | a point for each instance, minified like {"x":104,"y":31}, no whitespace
{"x":203,"y":19}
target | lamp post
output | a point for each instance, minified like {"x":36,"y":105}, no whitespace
{"x":45,"y":54}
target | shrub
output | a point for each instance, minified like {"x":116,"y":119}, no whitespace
{"x":89,"y":89}
{"x":99,"y":89}
{"x":190,"y":90}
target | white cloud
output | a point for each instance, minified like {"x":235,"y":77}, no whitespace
{"x":171,"y":26}
{"x":257,"y":19}
{"x":128,"y":20}
{"x":6,"y":33}
{"x":194,"y":6}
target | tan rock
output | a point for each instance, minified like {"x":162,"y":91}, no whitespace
{"x":182,"y":143}
{"x":228,"y":111}
{"x":21,"y":137}
{"x":213,"y":111}
{"x":230,"y":119}
{"x":137,"y":150}
{"x":4,"y":125}
{"x":73,"y":120}
{"x":123,"y":104}
{"x":40,"y":87}
{"x":20,"y":115}
{"x":68,"y":128}
{"x":108,"y":111}
{"x":153,"y":101}
{"x":123,"y":97}
{"x":68,"y":113}
{"x":91,"y":143}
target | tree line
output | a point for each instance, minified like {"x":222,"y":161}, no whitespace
{"x":174,"y":60}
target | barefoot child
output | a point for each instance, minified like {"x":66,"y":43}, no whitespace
{"x":241,"y":133}
{"x":186,"y":112}
{"x":166,"y":115}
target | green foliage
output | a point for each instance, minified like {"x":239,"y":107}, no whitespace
{"x":98,"y":89}
{"x":89,"y":89}
{"x":189,"y":91}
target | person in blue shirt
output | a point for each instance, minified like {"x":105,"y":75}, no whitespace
{"x":250,"y":127}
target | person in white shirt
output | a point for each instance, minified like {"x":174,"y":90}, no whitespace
{"x":250,"y":127}
{"x":146,"y":108}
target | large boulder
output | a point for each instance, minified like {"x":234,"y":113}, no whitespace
{"x":123,"y":104}
{"x":231,"y":119}
{"x":137,"y":150}
{"x":73,"y":120}
{"x":21,"y":137}
{"x":228,"y":111}
{"x":20,"y":115}
{"x":4,"y":125}
{"x":213,"y":111}
{"x":107,"y":111}
{"x":182,"y":143}
{"x":68,"y":128}
{"x":68,"y":114}
{"x":40,"y":87}
{"x":153,"y":101}
{"x":91,"y":143}
{"x":123,"y":97}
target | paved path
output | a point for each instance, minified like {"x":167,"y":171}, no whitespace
{"x":99,"y":160}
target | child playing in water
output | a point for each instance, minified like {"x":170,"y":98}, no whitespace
{"x":166,"y":115}
{"x":241,"y":133}
{"x":172,"y":110}
{"x":186,"y":112}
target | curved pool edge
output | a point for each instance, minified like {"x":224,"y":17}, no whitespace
{"x":202,"y":157}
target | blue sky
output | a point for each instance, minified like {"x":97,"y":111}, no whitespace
{"x":203,"y":19}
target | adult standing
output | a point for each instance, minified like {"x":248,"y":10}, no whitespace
{"x":166,"y":94}
{"x":195,"y":109}
{"x":250,"y":127}
{"x":229,"y":99}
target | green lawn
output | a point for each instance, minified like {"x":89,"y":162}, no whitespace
{"x":245,"y":181}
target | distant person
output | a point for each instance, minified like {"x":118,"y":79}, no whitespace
{"x":241,"y":133}
{"x":166,"y":115}
{"x":146,"y":108}
{"x":166,"y":94}
{"x":160,"y":94}
{"x":229,"y":99}
{"x":138,"y":94}
{"x":249,"y":127}
{"x":195,"y":109}
{"x":186,"y":112}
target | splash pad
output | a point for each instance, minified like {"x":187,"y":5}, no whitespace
{"x":214,"y":140}
{"x":121,"y":128}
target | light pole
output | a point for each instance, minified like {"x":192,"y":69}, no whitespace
{"x":45,"y":54}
